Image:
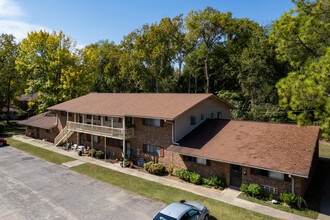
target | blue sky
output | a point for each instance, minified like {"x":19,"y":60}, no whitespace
{"x":93,"y":20}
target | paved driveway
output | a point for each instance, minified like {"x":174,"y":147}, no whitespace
{"x":31,"y":188}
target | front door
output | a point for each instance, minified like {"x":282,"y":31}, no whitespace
{"x":235,"y":175}
{"x":38,"y":133}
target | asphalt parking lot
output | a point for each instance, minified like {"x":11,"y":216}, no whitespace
{"x":31,"y":188}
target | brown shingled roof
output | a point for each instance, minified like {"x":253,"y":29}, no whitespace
{"x":280,"y":147}
{"x":155,"y":105}
{"x":45,"y":120}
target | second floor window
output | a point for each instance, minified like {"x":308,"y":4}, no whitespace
{"x":96,"y":117}
{"x":89,"y":117}
{"x":152,"y":122}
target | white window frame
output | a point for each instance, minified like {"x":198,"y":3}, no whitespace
{"x":152,"y":122}
{"x":152,"y":149}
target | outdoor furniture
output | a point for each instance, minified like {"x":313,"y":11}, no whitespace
{"x":74,"y":147}
{"x":66,"y":146}
{"x":82,"y":148}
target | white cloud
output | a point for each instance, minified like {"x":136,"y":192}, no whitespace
{"x":19,"y":28}
{"x":10,"y":9}
{"x":11,"y":14}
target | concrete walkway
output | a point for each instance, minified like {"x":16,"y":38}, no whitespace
{"x":228,"y":195}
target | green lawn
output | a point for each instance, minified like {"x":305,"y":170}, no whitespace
{"x":324,"y":150}
{"x":166,"y":194}
{"x":307,"y":212}
{"x":39,"y":152}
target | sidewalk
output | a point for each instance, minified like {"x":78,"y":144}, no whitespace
{"x":227,"y":196}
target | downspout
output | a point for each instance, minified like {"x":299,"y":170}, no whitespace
{"x":292,"y":180}
{"x":173,"y":141}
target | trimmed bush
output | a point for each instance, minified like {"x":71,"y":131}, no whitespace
{"x":157,"y":169}
{"x":183,"y":174}
{"x":250,"y":189}
{"x":195,"y":178}
{"x":92,"y":152}
{"x":271,"y":197}
{"x":170,"y":170}
{"x":215,"y":181}
{"x":147,"y":165}
{"x":99,"y":154}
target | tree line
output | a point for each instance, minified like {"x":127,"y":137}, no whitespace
{"x":278,"y":72}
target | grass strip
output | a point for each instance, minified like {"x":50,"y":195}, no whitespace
{"x":166,"y":194}
{"x":324,"y":149}
{"x":39,"y":152}
{"x":306,"y":212}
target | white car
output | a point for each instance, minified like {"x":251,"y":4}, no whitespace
{"x":184,"y":210}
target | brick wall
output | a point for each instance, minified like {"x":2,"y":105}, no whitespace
{"x":214,"y":167}
{"x":158,"y":136}
{"x":42,"y":133}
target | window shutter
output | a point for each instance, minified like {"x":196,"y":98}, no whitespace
{"x":143,"y":121}
{"x":144,"y":148}
{"x":161,"y":123}
{"x":286,"y":178}
{"x":208,"y":162}
{"x":253,"y":171}
{"x":161,"y":152}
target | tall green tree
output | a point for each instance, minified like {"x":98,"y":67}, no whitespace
{"x":10,"y":85}
{"x":209,"y":27}
{"x":50,"y":65}
{"x":302,"y":38}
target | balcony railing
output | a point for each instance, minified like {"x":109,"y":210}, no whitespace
{"x":100,"y":130}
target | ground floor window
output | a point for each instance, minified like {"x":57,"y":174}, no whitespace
{"x":49,"y":130}
{"x":114,"y":142}
{"x":153,"y":150}
{"x":270,"y":174}
{"x":198,"y":160}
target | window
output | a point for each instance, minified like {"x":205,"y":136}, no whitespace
{"x":152,"y":122}
{"x":202,"y":117}
{"x":212,"y":115}
{"x":49,"y":130}
{"x":96,"y":139}
{"x":197,"y":160}
{"x":30,"y":127}
{"x":63,"y":113}
{"x":276,"y":175}
{"x":89,"y":117}
{"x":129,"y":122}
{"x":153,"y":150}
{"x":269,"y":189}
{"x":96,"y":117}
{"x":88,"y":137}
{"x":114,"y":142}
{"x":219,"y":115}
{"x":70,"y":114}
{"x":270,"y":174}
{"x":192,"y":120}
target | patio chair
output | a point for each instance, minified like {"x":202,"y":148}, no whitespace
{"x":74,"y":147}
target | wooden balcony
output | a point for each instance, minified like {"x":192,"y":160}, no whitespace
{"x":98,"y":130}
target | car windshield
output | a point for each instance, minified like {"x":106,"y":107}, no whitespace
{"x":161,"y":216}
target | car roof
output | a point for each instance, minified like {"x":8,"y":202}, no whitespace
{"x":175,"y":210}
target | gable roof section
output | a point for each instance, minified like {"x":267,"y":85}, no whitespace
{"x":280,"y":147}
{"x":45,"y":120}
{"x":153,"y":105}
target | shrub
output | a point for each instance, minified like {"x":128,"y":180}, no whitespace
{"x":250,"y":189}
{"x":245,"y":189}
{"x":254,"y":189}
{"x":99,"y":154}
{"x":147,"y":165}
{"x":170,"y":170}
{"x":127,"y":162}
{"x":288,"y":198}
{"x":300,"y":203}
{"x":92,"y":152}
{"x":271,"y":197}
{"x":195,"y":178}
{"x":157,"y":169}
{"x":293,"y":201}
{"x":183,"y":174}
